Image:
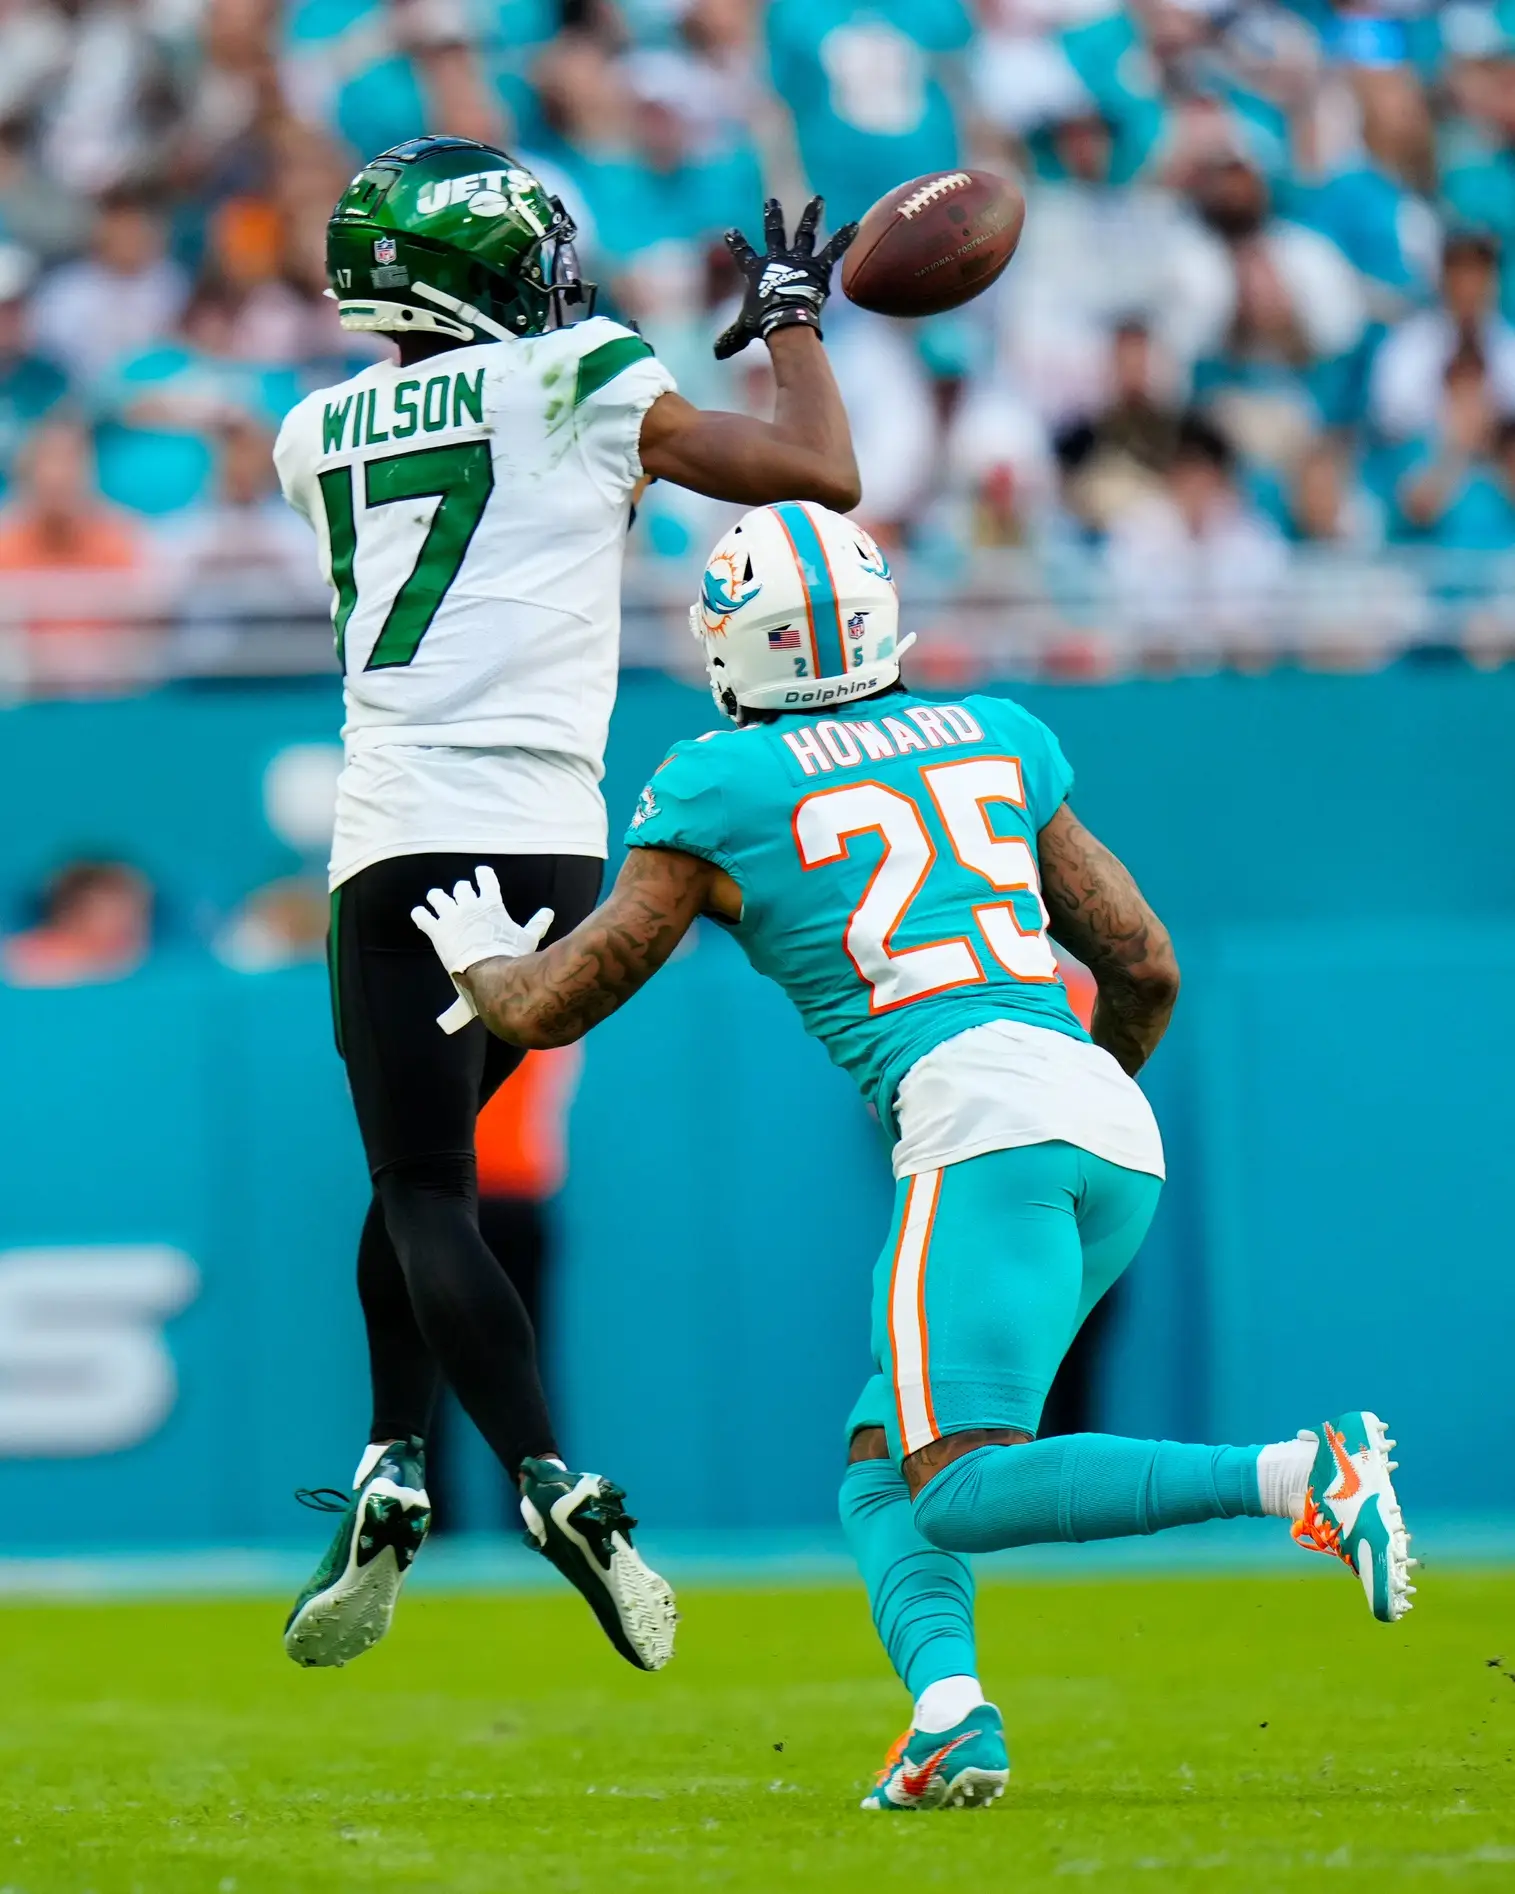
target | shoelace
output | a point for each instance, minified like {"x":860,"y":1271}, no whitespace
{"x":896,"y":1752}
{"x":609,"y":1510}
{"x":606,"y":1509}
{"x":324,"y":1499}
{"x":616,"y":1509}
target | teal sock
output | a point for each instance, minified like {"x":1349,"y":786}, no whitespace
{"x":921,"y":1597}
{"x":1082,"y":1486}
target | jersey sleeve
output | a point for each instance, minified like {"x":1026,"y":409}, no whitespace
{"x":684,"y":807}
{"x":617,"y":380}
{"x":292,"y":463}
{"x":1046,"y":773}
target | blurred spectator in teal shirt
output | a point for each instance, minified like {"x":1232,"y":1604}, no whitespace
{"x":382,"y":71}
{"x":1289,"y":314}
{"x":30,"y":384}
{"x":1478,"y":143}
{"x":161,"y":410}
{"x":1454,"y":491}
{"x":1366,"y":166}
{"x":660,"y":187}
{"x":1166,"y":73}
{"x":862,"y":81}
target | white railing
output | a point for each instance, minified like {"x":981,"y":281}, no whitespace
{"x":1002,"y":615}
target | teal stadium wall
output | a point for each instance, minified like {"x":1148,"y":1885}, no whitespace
{"x":1333,"y":855}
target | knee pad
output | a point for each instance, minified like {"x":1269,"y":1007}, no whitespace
{"x":443,"y":1174}
{"x":425,"y":1198}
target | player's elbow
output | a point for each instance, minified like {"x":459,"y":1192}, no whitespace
{"x":830,"y":480}
{"x":532,"y":1029}
{"x":840,"y":489}
{"x":543,"y":1035}
{"x":1158,"y":982}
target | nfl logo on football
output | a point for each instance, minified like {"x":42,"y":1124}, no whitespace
{"x":384,"y":250}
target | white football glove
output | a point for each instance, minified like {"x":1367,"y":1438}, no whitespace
{"x":472,"y":924}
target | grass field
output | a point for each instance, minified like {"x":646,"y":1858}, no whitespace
{"x":1223,"y":1734}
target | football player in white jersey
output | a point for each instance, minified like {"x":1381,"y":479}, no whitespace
{"x":471,"y":502}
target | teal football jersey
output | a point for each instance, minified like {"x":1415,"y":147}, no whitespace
{"x":886,"y":856}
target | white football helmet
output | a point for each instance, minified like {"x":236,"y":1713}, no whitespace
{"x":797,"y":610}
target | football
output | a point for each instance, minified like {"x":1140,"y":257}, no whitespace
{"x":934,"y":243}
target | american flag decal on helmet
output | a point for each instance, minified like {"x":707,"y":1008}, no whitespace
{"x":786,"y":638}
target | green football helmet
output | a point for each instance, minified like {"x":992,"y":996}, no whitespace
{"x":451,"y":236}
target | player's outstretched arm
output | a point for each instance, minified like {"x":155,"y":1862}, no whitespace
{"x":554,"y":997}
{"x":1097,"y":912}
{"x":805,"y":451}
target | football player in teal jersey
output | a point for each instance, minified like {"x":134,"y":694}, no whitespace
{"x":901,"y":868}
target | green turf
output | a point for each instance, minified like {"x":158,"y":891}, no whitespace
{"x":1207,"y":1733}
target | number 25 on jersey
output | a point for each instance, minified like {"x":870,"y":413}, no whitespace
{"x":827,"y":822}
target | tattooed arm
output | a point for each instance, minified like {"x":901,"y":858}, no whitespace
{"x":1098,"y":913}
{"x":554,"y":997}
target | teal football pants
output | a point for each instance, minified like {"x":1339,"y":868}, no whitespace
{"x":990,"y":1268}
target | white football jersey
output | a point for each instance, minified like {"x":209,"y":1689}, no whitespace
{"x":471,"y":512}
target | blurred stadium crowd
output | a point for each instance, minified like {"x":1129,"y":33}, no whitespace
{"x":1249,"y":386}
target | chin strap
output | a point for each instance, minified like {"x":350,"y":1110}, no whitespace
{"x":463,"y":320}
{"x":465,"y":312}
{"x":395,"y":319}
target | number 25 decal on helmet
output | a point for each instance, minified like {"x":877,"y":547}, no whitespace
{"x":455,"y":238}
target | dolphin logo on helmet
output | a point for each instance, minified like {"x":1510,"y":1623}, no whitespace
{"x":722,"y":594}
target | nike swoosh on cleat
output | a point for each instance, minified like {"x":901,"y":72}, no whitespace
{"x":915,"y":1782}
{"x":1350,"y":1480}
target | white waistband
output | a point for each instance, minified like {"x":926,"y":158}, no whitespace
{"x":1006,"y":1084}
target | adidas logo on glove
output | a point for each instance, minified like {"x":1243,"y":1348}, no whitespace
{"x":779,"y":276}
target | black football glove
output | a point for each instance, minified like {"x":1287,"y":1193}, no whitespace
{"x":789,"y":284}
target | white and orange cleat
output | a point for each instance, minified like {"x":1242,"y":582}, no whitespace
{"x":1352,"y":1511}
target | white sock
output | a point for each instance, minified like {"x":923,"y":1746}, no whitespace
{"x":1283,"y":1473}
{"x":373,"y":1453}
{"x":943,"y":1704}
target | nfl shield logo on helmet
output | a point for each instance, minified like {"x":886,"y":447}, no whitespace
{"x":384,"y":250}
{"x":855,"y":624}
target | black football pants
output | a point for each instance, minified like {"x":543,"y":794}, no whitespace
{"x":436,"y":1302}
